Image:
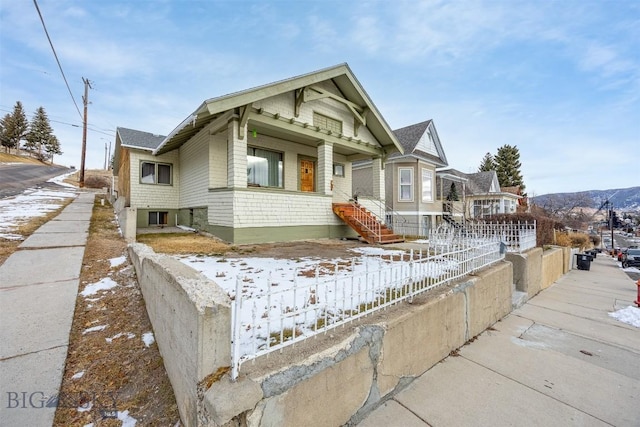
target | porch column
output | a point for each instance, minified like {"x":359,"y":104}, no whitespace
{"x":236,"y":156}
{"x":378,"y":179}
{"x":325,"y":167}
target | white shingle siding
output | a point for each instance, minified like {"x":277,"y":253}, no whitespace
{"x":194,"y":170}
{"x":218,"y":160}
{"x":284,"y":105}
{"x":243,"y":209}
{"x":154,"y":195}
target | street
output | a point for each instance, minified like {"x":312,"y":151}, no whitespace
{"x":15,"y":178}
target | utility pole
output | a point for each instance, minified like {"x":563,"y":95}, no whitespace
{"x":85,"y":101}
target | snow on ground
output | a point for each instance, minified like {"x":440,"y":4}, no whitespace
{"x":94,"y":329}
{"x":148,"y":338}
{"x":629,"y":315}
{"x":115,"y":262}
{"x":60,"y":180}
{"x":103,"y":284}
{"x":127,"y":420}
{"x":78,"y":375}
{"x":129,"y":335}
{"x":30,"y":203}
{"x":274,"y":290}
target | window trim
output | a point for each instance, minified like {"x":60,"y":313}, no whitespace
{"x":400,"y":184}
{"x":155,"y":174}
{"x":430,"y":172}
{"x":281,"y":177}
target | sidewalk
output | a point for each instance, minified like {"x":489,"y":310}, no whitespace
{"x":559,"y":360}
{"x":38,"y":290}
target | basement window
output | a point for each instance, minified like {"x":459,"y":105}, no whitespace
{"x":158,"y":218}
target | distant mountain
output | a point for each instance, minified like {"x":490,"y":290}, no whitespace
{"x":622,"y":199}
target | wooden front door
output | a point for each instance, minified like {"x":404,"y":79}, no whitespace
{"x":306,"y":175}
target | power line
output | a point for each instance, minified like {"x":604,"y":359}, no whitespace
{"x":98,"y":130}
{"x":56,"y":56}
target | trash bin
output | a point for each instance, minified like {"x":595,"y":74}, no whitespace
{"x":593,"y":253}
{"x":584,"y":261}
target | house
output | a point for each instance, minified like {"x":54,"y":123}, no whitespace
{"x":261,"y":165}
{"x":482,"y":196}
{"x":412,"y":204}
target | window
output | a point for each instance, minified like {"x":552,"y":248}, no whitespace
{"x":405,"y":184}
{"x":155,"y":173}
{"x":158,"y":218}
{"x":338,"y":169}
{"x":327,"y":123}
{"x":427,"y":186}
{"x":264,"y":167}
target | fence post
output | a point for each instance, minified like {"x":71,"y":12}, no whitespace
{"x":237,"y":315}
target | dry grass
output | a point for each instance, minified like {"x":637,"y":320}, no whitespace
{"x":26,"y":228}
{"x":12,"y":158}
{"x":122,"y":374}
{"x":183,"y":243}
{"x":100,"y":176}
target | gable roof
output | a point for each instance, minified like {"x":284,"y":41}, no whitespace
{"x":138,"y":139}
{"x":341,"y":75}
{"x":410,"y":137}
{"x":480,"y":182}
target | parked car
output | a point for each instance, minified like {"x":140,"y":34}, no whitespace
{"x":631,"y":258}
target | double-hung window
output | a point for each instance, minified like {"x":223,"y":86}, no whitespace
{"x":405,"y":185}
{"x":264,"y":167}
{"x":155,"y":173}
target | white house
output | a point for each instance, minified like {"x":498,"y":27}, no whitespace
{"x":260,"y":165}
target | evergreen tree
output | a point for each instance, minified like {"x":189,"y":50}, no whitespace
{"x":488,"y":163}
{"x":14,"y":128}
{"x":507,"y":161}
{"x":453,"y":193}
{"x":52,"y":147}
{"x":40,"y":132}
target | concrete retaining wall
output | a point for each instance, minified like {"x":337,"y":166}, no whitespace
{"x":527,"y":270}
{"x":552,"y":266}
{"x":191,"y":318}
{"x":334,"y":378}
{"x":352,"y":372}
{"x":126,"y":219}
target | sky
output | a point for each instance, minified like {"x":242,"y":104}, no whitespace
{"x":559,"y":79}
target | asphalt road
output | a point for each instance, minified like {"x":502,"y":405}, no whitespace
{"x":15,"y":178}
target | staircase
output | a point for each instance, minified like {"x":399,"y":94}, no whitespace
{"x":365,"y":224}
{"x":452,"y":221}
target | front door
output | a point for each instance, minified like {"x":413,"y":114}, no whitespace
{"x":306,"y":175}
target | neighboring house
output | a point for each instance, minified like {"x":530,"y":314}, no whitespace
{"x":482,"y":196}
{"x":264,"y":164}
{"x":412,"y":204}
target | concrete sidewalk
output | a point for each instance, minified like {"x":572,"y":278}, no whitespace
{"x":559,"y":360}
{"x":38,"y":290}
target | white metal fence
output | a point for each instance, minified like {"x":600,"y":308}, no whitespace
{"x":516,"y":236}
{"x":331,"y":294}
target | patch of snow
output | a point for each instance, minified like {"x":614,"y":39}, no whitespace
{"x":59,"y":180}
{"x":376,"y":251}
{"x":103,"y":284}
{"x":86,"y":407}
{"x":629,"y":315}
{"x":127,"y":420}
{"x":94,"y":329}
{"x":88,"y":425}
{"x":78,"y":375}
{"x":121,"y":334}
{"x":29,"y":204}
{"x":148,"y":338}
{"x":185,"y":228}
{"x":342,"y":286}
{"x":420,"y":241}
{"x":117,"y":261}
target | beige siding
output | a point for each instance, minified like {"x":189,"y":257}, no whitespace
{"x":154,"y":196}
{"x":194,"y":171}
